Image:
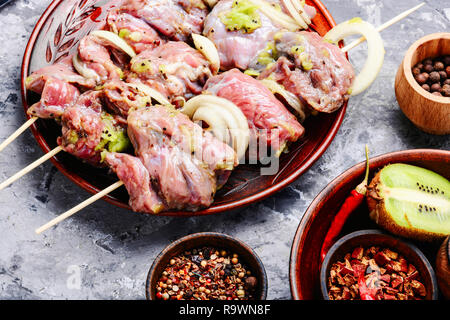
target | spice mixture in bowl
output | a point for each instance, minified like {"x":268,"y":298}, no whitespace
{"x":371,"y":265}
{"x":206,"y":274}
{"x":377,"y":273}
{"x":207,"y":266}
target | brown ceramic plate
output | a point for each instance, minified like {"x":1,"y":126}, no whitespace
{"x":304,"y":269}
{"x":57,"y":34}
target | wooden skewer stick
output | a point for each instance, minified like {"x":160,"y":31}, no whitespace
{"x":118,"y":184}
{"x":30,"y":167}
{"x":17,"y":133}
{"x":383,"y":26}
{"x":345,"y":49}
{"x":79,"y":207}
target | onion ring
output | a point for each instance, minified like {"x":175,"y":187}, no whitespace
{"x":220,"y":112}
{"x":375,"y":54}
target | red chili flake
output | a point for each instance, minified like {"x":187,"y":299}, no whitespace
{"x":377,"y":274}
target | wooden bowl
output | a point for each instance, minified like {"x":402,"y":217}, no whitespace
{"x":428,"y":112}
{"x":305,"y":252}
{"x":57,"y":34}
{"x":443,"y":268}
{"x":368,"y":238}
{"x":210,"y":239}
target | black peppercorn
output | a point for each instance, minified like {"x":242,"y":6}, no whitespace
{"x":435,"y":77}
{"x":426,"y":87}
{"x":443,"y":75}
{"x":250,"y":283}
{"x":439,"y":66}
{"x":422,"y":78}
{"x":436,"y":87}
{"x":446,"y":60}
{"x":416,"y":71}
{"x":428,"y":68}
{"x":446,"y":91}
{"x":427,"y":61}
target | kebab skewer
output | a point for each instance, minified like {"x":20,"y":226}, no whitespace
{"x":194,"y":106}
{"x":151,"y":39}
{"x":76,"y":61}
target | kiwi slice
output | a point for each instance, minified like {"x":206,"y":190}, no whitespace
{"x":410,"y":201}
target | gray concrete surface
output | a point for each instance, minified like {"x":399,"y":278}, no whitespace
{"x":112,"y":249}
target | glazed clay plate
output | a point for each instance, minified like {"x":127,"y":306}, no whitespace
{"x":57,"y":34}
{"x":304,"y":270}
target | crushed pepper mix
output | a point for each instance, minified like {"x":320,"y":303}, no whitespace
{"x":206,"y":274}
{"x":374,"y":274}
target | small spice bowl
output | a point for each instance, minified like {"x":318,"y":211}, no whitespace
{"x":369,"y":238}
{"x":428,"y":112}
{"x":208,"y":239}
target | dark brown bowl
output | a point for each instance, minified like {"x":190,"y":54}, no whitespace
{"x":443,"y":268}
{"x":212,"y":239}
{"x":368,"y":238}
{"x":57,"y":34}
{"x":305,"y":252}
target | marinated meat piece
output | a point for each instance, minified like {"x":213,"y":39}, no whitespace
{"x":136,"y":178}
{"x":82,"y":129}
{"x":87,"y":130}
{"x":175,"y":19}
{"x":62,"y":70}
{"x":97,"y":58}
{"x":239,"y":48}
{"x":267,"y":117}
{"x":236,"y":48}
{"x":182,"y":160}
{"x":313,"y":69}
{"x":174,"y":69}
{"x":136,"y":32}
{"x":91,"y":100}
{"x":120,"y":98}
{"x":56,"y":96}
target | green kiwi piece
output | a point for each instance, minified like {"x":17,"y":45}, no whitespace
{"x":411,"y":202}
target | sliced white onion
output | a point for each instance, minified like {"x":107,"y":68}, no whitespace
{"x":375,"y":54}
{"x":220,"y":112}
{"x":295,"y":14}
{"x":83,"y":70}
{"x":208,"y":49}
{"x":114,"y":40}
{"x":301,"y":9}
{"x":149,"y":92}
{"x":290,"y":98}
{"x":217,"y":116}
{"x":276,"y":16}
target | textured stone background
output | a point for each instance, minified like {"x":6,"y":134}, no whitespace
{"x":114,"y":248}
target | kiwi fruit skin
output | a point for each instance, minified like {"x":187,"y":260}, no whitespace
{"x":443,"y":268}
{"x":384,"y":219}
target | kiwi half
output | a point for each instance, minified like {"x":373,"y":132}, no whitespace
{"x":411,"y":202}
